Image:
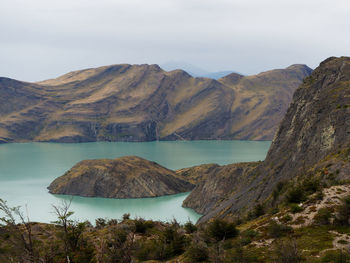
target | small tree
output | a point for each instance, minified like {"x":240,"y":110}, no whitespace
{"x":219,"y":230}
{"x":190,"y":227}
{"x":63,"y":215}
{"x":21,"y":231}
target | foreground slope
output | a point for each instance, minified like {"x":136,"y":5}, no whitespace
{"x":125,"y":177}
{"x":315,"y":130}
{"x":145,"y":103}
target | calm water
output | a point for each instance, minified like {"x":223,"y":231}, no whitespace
{"x":26,"y":169}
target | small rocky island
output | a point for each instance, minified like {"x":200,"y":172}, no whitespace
{"x":125,"y":177}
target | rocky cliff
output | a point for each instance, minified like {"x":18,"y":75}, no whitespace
{"x":315,"y":130}
{"x":125,"y":177}
{"x":145,"y":103}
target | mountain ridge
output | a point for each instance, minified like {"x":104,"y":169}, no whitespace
{"x":145,"y":103}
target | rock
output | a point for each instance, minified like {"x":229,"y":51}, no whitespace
{"x":219,"y":181}
{"x":196,"y":174}
{"x":316,"y":128}
{"x":125,"y":177}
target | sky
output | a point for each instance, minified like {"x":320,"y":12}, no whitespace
{"x":42,"y":39}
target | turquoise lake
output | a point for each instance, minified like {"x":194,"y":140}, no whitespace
{"x":26,"y":169}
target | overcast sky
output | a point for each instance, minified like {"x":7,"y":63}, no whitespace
{"x":41,"y":39}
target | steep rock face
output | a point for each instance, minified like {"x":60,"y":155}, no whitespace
{"x":317,"y":125}
{"x":125,"y":177}
{"x":145,"y":103}
{"x":216,"y":184}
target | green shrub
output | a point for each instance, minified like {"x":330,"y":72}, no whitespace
{"x":190,"y":227}
{"x":197,"y":252}
{"x":319,"y":195}
{"x":276,"y":230}
{"x":241,"y":255}
{"x":323,"y":216}
{"x":286,"y":218}
{"x":174,"y":242}
{"x":278,"y":189}
{"x":287,"y":252}
{"x":112,"y":222}
{"x":295,"y":208}
{"x":219,"y":230}
{"x":148,"y":249}
{"x":338,"y":256}
{"x":343,"y":212}
{"x":142,"y":225}
{"x":256,"y":212}
{"x":296,"y":195}
{"x":100,"y":223}
{"x":311,"y":185}
{"x":167,"y":244}
{"x":250,"y":233}
{"x":126,"y":216}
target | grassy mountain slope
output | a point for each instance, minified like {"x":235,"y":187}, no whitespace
{"x":144,"y":103}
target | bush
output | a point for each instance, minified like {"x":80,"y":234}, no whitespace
{"x":318,"y":196}
{"x":197,"y":252}
{"x":294,"y":208}
{"x":278,"y":190}
{"x":142,"y":225}
{"x":148,"y":249}
{"x":276,"y":230}
{"x":112,"y":222}
{"x":286,"y":218}
{"x":100,"y":223}
{"x":323,"y":216}
{"x":336,"y":257}
{"x":250,"y":233}
{"x":241,"y":255}
{"x":343,"y":212}
{"x":299,"y":192}
{"x":256,"y":212}
{"x":190,"y":227}
{"x":296,"y":195}
{"x":287,"y":252}
{"x":219,"y":230}
{"x":126,"y":216}
{"x":167,"y":244}
{"x":311,"y":185}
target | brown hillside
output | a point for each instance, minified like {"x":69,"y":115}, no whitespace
{"x":145,"y":103}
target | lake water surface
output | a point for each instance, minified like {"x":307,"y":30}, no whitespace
{"x":26,"y":169}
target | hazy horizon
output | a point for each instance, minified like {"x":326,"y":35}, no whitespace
{"x":44,"y":39}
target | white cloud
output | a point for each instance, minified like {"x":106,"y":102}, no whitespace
{"x":243,"y":35}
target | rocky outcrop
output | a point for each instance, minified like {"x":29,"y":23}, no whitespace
{"x":214,"y":186}
{"x":145,"y":103}
{"x":125,"y":177}
{"x":196,"y":174}
{"x":315,"y":128}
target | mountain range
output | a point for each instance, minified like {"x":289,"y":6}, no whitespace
{"x":145,"y":103}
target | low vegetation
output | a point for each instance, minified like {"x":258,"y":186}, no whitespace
{"x":286,"y":235}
